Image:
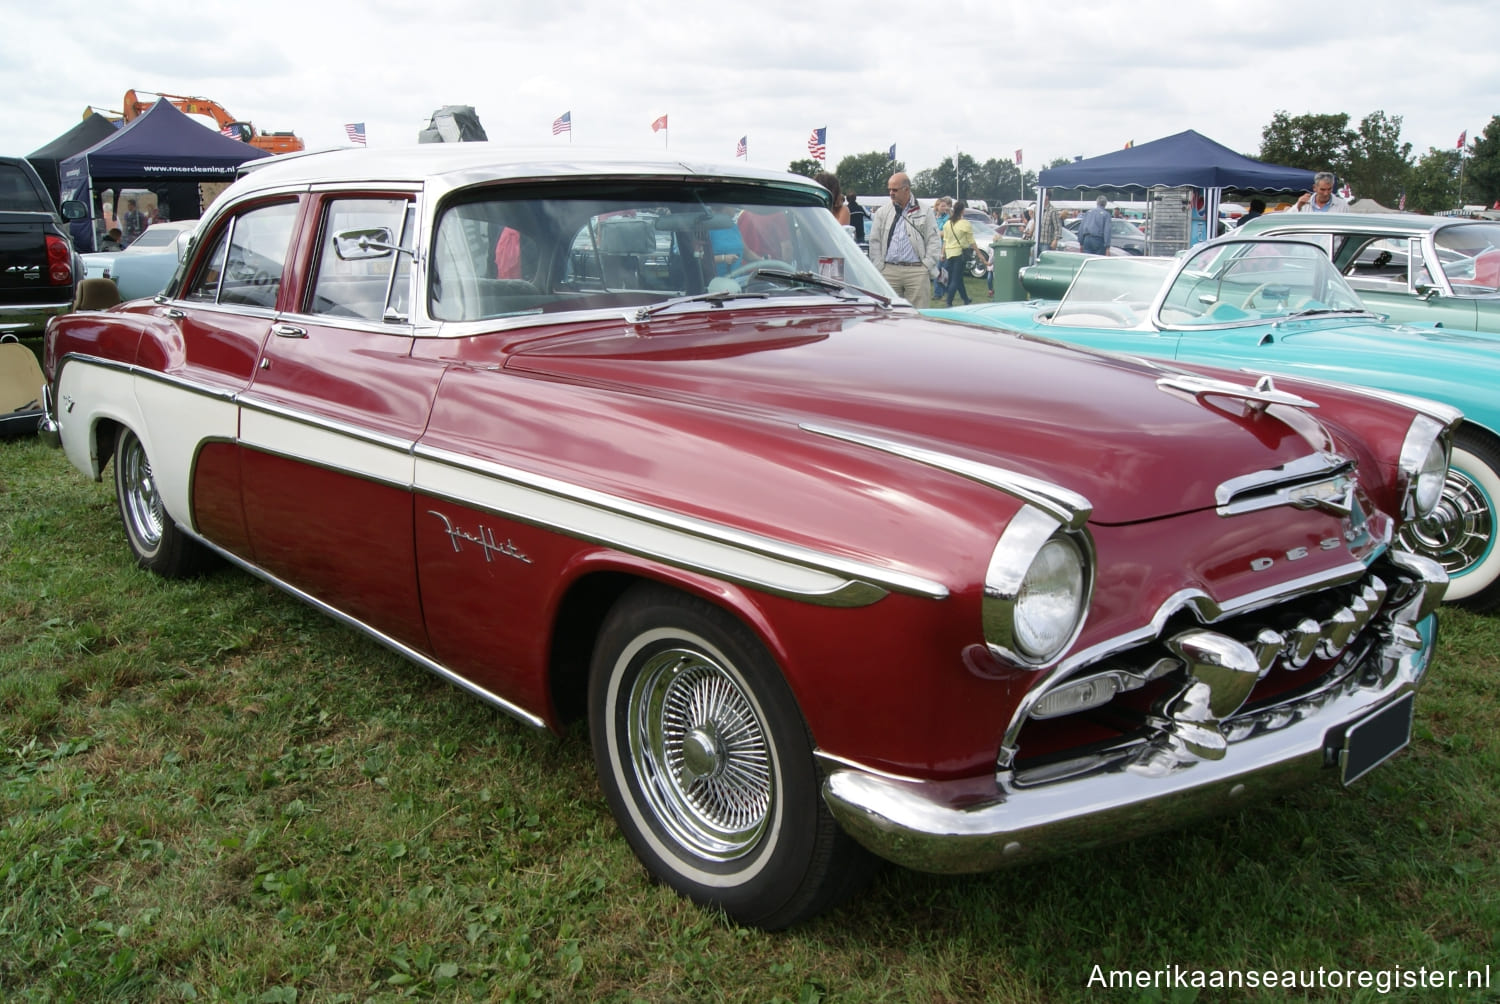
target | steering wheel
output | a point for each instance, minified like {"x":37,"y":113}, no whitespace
{"x":740,"y":271}
{"x":1263,"y":287}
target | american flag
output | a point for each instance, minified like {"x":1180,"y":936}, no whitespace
{"x":742,"y":148}
{"x":356,"y":132}
{"x":230,"y":131}
{"x":817,"y":144}
{"x":563,"y":123}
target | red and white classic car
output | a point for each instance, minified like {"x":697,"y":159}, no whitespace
{"x":650,"y":444}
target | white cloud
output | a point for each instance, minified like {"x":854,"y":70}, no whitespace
{"x":1056,"y":80}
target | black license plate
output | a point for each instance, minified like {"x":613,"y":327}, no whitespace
{"x":1371,"y":741}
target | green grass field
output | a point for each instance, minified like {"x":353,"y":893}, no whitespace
{"x":210,"y":792}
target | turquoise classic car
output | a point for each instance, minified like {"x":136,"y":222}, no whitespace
{"x":1415,"y":269}
{"x":1273,"y":305}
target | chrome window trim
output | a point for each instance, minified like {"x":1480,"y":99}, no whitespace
{"x":1069,"y":508}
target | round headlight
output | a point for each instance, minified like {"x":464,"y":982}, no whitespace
{"x":1427,"y":486}
{"x":1050,"y":601}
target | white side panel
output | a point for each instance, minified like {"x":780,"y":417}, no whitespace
{"x":620,"y":530}
{"x":175,"y":421}
{"x":326,"y":448}
{"x":86,"y":393}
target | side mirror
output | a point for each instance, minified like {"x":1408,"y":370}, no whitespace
{"x":73,"y":209}
{"x":364,"y":245}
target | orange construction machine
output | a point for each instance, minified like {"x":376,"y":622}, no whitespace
{"x":274,"y":142}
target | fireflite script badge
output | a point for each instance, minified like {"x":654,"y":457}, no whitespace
{"x":484,"y":537}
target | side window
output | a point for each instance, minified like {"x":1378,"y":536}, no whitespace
{"x":248,"y":258}
{"x":360,"y":284}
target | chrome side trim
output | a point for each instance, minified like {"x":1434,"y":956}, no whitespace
{"x":697,"y":545}
{"x":400,"y":648}
{"x":1068,"y":507}
{"x":683,"y":541}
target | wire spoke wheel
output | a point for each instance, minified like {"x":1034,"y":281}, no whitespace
{"x":701,"y":751}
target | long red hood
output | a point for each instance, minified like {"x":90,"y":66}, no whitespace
{"x":1097,"y":425}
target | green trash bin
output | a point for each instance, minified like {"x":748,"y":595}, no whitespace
{"x":1009,"y":255}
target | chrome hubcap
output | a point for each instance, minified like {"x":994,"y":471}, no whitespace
{"x":701,"y":753}
{"x":1461,"y":529}
{"x":141,"y":501}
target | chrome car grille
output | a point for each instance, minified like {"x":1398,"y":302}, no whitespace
{"x":1198,"y":688}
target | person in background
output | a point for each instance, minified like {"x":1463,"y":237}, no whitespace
{"x":1050,"y":229}
{"x":111,"y":241}
{"x":941,"y":207}
{"x":1257,"y":208}
{"x":857,"y":218}
{"x":904,"y":243}
{"x":836,"y":206}
{"x":133,"y":222}
{"x":1321,"y":199}
{"x":958,"y":245}
{"x":1093,"y":229}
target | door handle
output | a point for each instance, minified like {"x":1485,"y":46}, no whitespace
{"x":288,"y":331}
{"x":174,"y":313}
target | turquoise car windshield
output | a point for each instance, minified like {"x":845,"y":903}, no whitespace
{"x":1112,"y":292}
{"x":1254,"y":281}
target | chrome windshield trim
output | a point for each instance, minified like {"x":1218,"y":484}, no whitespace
{"x":1067,"y":507}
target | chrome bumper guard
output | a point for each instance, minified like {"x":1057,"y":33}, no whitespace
{"x":979,"y":824}
{"x":49,"y":431}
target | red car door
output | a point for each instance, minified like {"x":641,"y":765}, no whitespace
{"x":330,"y":419}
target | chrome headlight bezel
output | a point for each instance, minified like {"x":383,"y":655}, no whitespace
{"x":1423,"y":467}
{"x":1037,"y":589}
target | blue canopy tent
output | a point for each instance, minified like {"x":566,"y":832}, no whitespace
{"x":1186,"y":160}
{"x":162,"y":149}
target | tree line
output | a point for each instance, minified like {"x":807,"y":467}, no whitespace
{"x":1371,"y":159}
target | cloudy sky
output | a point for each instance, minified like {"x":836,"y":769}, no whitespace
{"x":1058,"y":79}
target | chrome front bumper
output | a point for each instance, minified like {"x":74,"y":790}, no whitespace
{"x":979,"y":824}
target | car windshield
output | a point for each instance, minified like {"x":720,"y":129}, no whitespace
{"x":499,"y":252}
{"x":1112,"y":292}
{"x":1470,"y":254}
{"x":1247,"y":281}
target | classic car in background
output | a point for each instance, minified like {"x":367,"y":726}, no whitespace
{"x":825,"y":577}
{"x":143,"y":268}
{"x":1278,"y":306}
{"x":1419,"y":269}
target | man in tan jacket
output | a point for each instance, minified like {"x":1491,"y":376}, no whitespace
{"x":904,"y":243}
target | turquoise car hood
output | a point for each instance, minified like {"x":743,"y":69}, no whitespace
{"x":1458,"y":368}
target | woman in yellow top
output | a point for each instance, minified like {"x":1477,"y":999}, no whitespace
{"x":958,"y":246}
